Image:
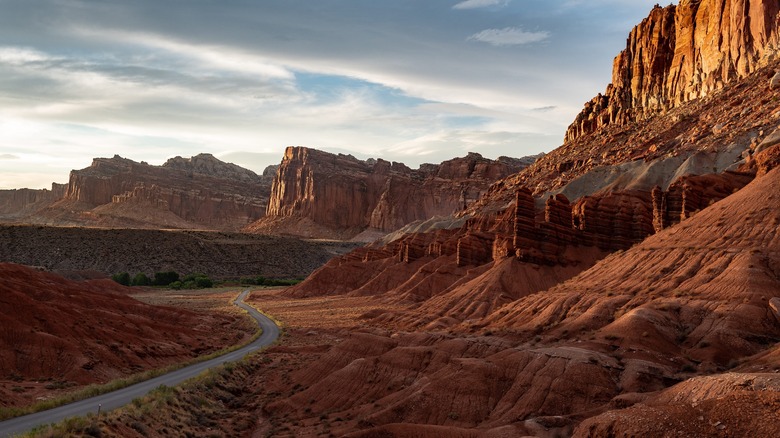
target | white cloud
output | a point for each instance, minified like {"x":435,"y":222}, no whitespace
{"x":509,"y":36}
{"x":210,"y":56}
{"x":20,"y":55}
{"x":473,"y":4}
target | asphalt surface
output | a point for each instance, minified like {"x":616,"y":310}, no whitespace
{"x":121,"y":397}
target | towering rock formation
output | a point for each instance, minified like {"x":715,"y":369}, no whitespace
{"x":319,"y":194}
{"x":197,"y":192}
{"x":683,"y":52}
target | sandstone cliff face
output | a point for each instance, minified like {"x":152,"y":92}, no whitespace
{"x":680,"y":53}
{"x":341,"y":196}
{"x":197,"y":192}
{"x":19,"y":203}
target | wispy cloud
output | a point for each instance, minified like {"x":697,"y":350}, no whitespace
{"x":8,"y":157}
{"x":474,"y":4}
{"x":210,"y":56}
{"x":509,"y":36}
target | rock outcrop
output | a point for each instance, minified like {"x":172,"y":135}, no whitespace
{"x":198,"y":192}
{"x":319,"y":194}
{"x":680,"y":53}
{"x":19,"y":203}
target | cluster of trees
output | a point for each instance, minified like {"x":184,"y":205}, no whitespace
{"x":172,"y":280}
{"x":166,"y":278}
{"x":262,"y":281}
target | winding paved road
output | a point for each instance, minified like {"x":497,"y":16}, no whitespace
{"x":121,"y":397}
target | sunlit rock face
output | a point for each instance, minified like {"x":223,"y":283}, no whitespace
{"x":680,"y":53}
{"x":319,"y":194}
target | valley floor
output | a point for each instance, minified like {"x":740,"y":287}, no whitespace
{"x":337,"y":371}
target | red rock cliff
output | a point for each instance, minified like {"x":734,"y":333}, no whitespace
{"x":183,"y":192}
{"x":680,"y":53}
{"x":18,"y":203}
{"x":319,"y":194}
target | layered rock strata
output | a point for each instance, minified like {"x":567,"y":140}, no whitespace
{"x":680,"y":53}
{"x":19,"y":203}
{"x":197,"y":192}
{"x":316,"y":192}
{"x":550,"y":237}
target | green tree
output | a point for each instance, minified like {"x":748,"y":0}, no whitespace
{"x":165,"y":278}
{"x":122,"y":278}
{"x":203,"y":282}
{"x":141,"y":279}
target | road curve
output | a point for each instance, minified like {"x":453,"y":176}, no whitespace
{"x":121,"y":397}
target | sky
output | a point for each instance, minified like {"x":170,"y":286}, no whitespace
{"x":415,"y":81}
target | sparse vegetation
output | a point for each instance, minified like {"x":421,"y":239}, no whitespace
{"x":169,"y":279}
{"x":262,"y":281}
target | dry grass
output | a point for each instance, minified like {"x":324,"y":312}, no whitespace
{"x":336,"y":312}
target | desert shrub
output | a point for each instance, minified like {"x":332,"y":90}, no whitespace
{"x":141,"y":279}
{"x":165,"y":278}
{"x":248,"y":281}
{"x":196,"y":281}
{"x":122,"y":278}
{"x":276,"y":281}
{"x":203,"y":282}
{"x":263,"y":281}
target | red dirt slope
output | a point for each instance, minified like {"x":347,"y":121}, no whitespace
{"x":58,"y":330}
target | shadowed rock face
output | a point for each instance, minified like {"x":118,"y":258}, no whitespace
{"x":318,"y":194}
{"x":680,"y":53}
{"x":197,"y":192}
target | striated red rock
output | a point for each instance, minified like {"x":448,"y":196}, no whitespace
{"x":524,"y":228}
{"x":374,"y":194}
{"x":767,"y":159}
{"x":679,"y":53}
{"x":692,"y":193}
{"x":614,"y":221}
{"x":475,"y":249}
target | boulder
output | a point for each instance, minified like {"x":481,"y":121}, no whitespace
{"x":774,"y":83}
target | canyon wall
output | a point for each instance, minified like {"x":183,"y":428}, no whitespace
{"x":680,"y":53}
{"x":18,"y":203}
{"x":319,"y":194}
{"x":197,"y":192}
